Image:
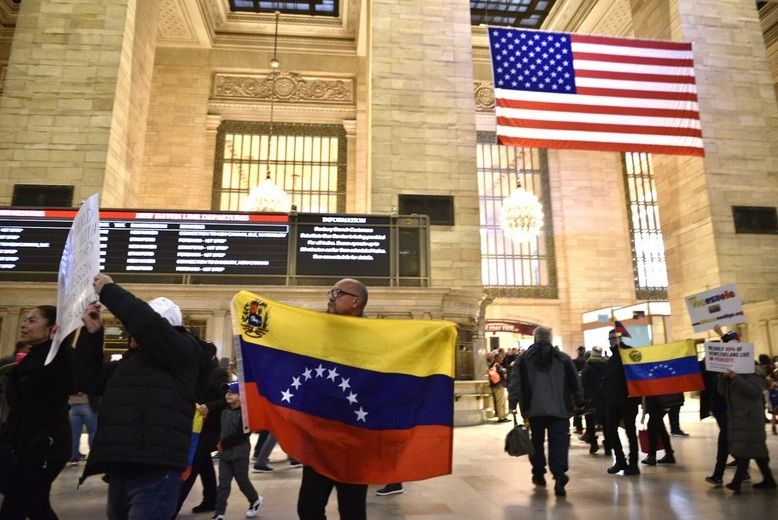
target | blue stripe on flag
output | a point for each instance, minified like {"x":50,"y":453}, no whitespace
{"x":364,"y":398}
{"x":661,"y":369}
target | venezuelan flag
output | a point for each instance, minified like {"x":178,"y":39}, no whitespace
{"x":362,"y":401}
{"x":662,"y":369}
{"x":194,"y":440}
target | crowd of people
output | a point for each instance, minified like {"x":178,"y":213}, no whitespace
{"x":549,"y":388}
{"x":139,"y":410}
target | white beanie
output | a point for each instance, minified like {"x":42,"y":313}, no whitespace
{"x":168,"y":310}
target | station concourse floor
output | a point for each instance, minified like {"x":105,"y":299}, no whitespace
{"x":488,"y":484}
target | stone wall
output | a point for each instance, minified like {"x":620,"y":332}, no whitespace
{"x":179,"y":153}
{"x":70,"y":62}
{"x":422,"y":123}
{"x":739,"y":123}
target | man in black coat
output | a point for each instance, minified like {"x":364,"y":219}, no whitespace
{"x":211,"y":403}
{"x":148,"y":401}
{"x":620,"y":408}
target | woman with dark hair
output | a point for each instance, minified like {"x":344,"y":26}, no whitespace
{"x":37,"y":432}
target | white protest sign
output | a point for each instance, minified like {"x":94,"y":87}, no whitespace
{"x":723,"y":357}
{"x":715,"y":307}
{"x":78,"y":266}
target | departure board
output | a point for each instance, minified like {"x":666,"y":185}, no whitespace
{"x":343,"y":245}
{"x":151,"y":242}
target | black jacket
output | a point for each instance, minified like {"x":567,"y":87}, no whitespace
{"x":592,"y":380}
{"x":213,"y":398}
{"x":38,"y":426}
{"x":148,"y":397}
{"x":615,"y":383}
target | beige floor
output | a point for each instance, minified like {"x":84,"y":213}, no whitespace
{"x":488,"y":484}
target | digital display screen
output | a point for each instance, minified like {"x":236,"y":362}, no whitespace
{"x":343,"y":245}
{"x":152,"y":242}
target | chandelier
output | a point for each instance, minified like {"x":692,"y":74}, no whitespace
{"x":521,"y":216}
{"x":267,"y":196}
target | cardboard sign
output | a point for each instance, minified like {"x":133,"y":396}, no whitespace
{"x":78,"y":266}
{"x":715,"y":307}
{"x":723,"y":357}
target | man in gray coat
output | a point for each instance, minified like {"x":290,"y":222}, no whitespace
{"x":545,"y":384}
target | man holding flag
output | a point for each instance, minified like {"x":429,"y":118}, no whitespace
{"x":347,"y":297}
{"x":357,"y":401}
{"x":621,"y":407}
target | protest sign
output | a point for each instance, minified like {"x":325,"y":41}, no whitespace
{"x":719,"y":306}
{"x":723,"y":357}
{"x":79,"y":264}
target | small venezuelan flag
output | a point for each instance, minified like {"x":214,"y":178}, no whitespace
{"x":194,"y":440}
{"x":360,"y":400}
{"x":662,"y":369}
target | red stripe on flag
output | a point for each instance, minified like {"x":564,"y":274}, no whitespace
{"x":634,"y":76}
{"x":598,"y":127}
{"x":593,"y":109}
{"x":624,"y":42}
{"x":665,"y":385}
{"x":632,"y":60}
{"x":351,"y":454}
{"x":642,"y":94}
{"x":605,"y":147}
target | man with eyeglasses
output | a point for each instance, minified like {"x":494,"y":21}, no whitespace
{"x":620,"y":408}
{"x":347,"y":297}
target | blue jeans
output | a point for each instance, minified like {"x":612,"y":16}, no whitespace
{"x":558,"y":443}
{"x":81,"y":415}
{"x":149,"y":495}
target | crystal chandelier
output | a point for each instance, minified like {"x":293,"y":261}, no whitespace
{"x":267,"y":196}
{"x":521,"y":217}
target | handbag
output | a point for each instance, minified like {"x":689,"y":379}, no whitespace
{"x":494,"y":375}
{"x":644,"y":442}
{"x":517,"y":442}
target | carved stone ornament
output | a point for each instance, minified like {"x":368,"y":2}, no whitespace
{"x":290,"y":87}
{"x":483,"y":92}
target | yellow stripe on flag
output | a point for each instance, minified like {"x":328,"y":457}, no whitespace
{"x":415,"y":347}
{"x":656,"y":353}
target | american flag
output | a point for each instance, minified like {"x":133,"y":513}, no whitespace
{"x":558,"y":90}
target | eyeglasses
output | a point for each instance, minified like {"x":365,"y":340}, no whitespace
{"x":337,"y":292}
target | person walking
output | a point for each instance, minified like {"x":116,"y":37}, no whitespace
{"x":621,"y":409}
{"x":545,"y":385}
{"x":38,"y":426}
{"x":747,"y":438}
{"x":148,"y":401}
{"x":234,"y":449}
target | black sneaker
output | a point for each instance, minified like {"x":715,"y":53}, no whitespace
{"x":733,"y":487}
{"x":632,"y":469}
{"x":616,"y":468}
{"x":204,"y":508}
{"x":679,"y":433}
{"x":559,"y":486}
{"x":667,"y":459}
{"x":765,"y":484}
{"x":390,"y":489}
{"x":261,"y":468}
{"x":539,"y":480}
{"x":714,"y":481}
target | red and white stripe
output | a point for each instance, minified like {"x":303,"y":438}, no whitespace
{"x":632,"y":96}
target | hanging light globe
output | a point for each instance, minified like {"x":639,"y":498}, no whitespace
{"x":521,"y":216}
{"x":268,"y":197}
